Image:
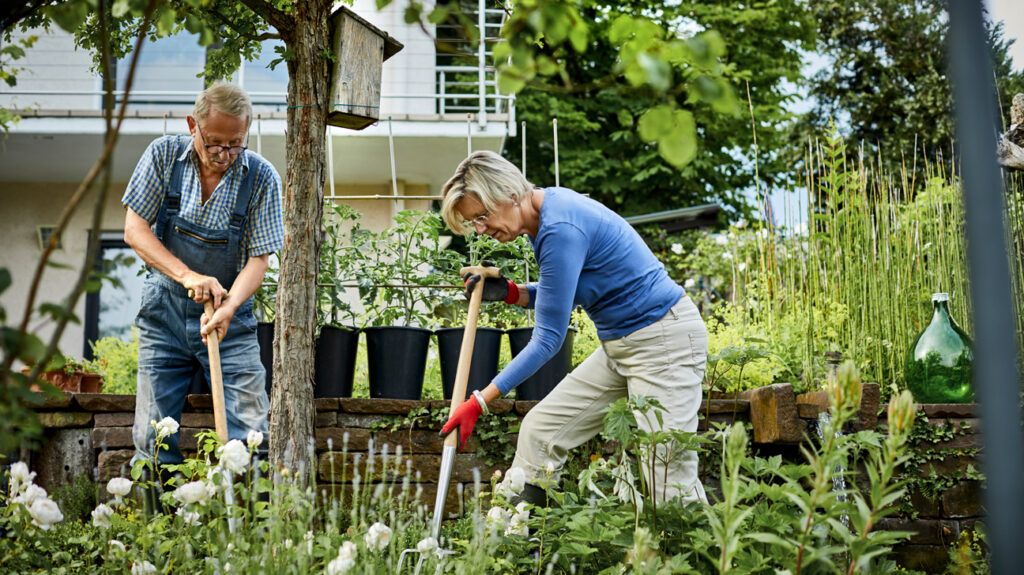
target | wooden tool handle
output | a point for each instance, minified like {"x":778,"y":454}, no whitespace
{"x":216,"y":378}
{"x":468,"y":342}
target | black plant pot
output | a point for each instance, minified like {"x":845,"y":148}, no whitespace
{"x":265,"y":337}
{"x":484,"y":364}
{"x":335,"y":363}
{"x":540,"y":384}
{"x":397,"y":359}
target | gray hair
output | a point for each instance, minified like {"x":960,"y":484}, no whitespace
{"x":491,"y":179}
{"x":226,"y":98}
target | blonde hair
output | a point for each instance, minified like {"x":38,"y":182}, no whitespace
{"x":225,"y":98}
{"x":490,"y":179}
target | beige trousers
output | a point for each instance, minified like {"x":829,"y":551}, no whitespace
{"x":664,"y":360}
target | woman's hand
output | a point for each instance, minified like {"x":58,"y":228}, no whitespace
{"x":464,"y":418}
{"x":495,"y":289}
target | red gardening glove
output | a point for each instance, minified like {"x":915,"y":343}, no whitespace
{"x":464,"y":418}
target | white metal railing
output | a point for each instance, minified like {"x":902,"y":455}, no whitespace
{"x":458,"y":89}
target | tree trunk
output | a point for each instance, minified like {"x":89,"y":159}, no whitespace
{"x":291,"y":406}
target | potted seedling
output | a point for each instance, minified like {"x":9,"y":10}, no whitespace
{"x":398,"y":300}
{"x":338,"y":339}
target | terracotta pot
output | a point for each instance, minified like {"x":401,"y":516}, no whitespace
{"x":75,"y":382}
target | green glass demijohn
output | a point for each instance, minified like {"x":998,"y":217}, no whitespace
{"x":939,"y":367}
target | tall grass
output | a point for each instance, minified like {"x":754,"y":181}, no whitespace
{"x":876,"y":247}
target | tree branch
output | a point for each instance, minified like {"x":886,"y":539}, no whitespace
{"x":18,"y":12}
{"x":277,"y":18}
{"x":214,"y":13}
{"x":98,"y":167}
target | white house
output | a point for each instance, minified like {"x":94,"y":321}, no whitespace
{"x":435,"y":105}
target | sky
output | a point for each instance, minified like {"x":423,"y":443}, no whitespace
{"x":1011,"y":13}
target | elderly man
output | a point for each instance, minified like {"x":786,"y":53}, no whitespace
{"x":204,"y":213}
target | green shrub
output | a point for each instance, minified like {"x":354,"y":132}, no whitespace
{"x":118,"y":362}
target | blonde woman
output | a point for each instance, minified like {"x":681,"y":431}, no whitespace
{"x":653,"y":340}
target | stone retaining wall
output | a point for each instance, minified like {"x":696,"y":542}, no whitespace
{"x":90,"y":435}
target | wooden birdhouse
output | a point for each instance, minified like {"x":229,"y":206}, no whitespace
{"x":360,"y":49}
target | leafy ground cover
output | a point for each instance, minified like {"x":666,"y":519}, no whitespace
{"x":226,"y":512}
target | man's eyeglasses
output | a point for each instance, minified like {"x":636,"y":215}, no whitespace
{"x":480,"y":220}
{"x":217,"y":149}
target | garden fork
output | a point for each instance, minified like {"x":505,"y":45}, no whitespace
{"x":458,"y":396}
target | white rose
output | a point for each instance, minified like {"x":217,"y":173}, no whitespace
{"x":497,"y":518}
{"x":427,"y":546}
{"x":119,"y":486}
{"x":234,"y":456}
{"x":338,"y":566}
{"x":378,"y":537}
{"x":21,"y":478}
{"x":101,"y":516}
{"x":190,"y":518}
{"x":517,"y":526}
{"x":144,"y":568}
{"x":193,"y":492}
{"x":516,"y":479}
{"x":45,"y":513}
{"x":254,"y":439}
{"x":166,"y":427}
{"x":348,"y":550}
{"x":523,"y":510}
{"x":677,"y":249}
{"x":30,"y":494}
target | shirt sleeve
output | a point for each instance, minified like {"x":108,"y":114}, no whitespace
{"x":147,"y":186}
{"x":265,"y":232}
{"x":561,"y":261}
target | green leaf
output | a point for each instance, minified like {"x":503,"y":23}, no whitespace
{"x":58,"y":312}
{"x":120,"y":8}
{"x":165,"y":21}
{"x":579,"y":37}
{"x":655,"y":123}
{"x":680,"y":146}
{"x":771,"y":539}
{"x":510,"y":83}
{"x":69,"y":15}
{"x":5,"y":279}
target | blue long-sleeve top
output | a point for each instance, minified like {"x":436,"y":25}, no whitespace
{"x":588,"y":256}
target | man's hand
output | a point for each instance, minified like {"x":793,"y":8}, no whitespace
{"x":202,"y":287}
{"x":495,"y":289}
{"x":220,"y":321}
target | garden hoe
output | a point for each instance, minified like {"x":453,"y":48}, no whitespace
{"x":458,"y":396}
{"x":220,"y":420}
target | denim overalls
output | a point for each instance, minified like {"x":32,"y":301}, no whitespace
{"x":170,"y":347}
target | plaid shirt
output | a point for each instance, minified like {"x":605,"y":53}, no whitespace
{"x":264,"y":230}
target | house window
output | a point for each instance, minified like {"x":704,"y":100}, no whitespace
{"x":266,"y":87}
{"x":167,"y":72}
{"x":111,"y":311}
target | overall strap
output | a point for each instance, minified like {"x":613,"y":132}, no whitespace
{"x":240,"y":214}
{"x":172,"y":198}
